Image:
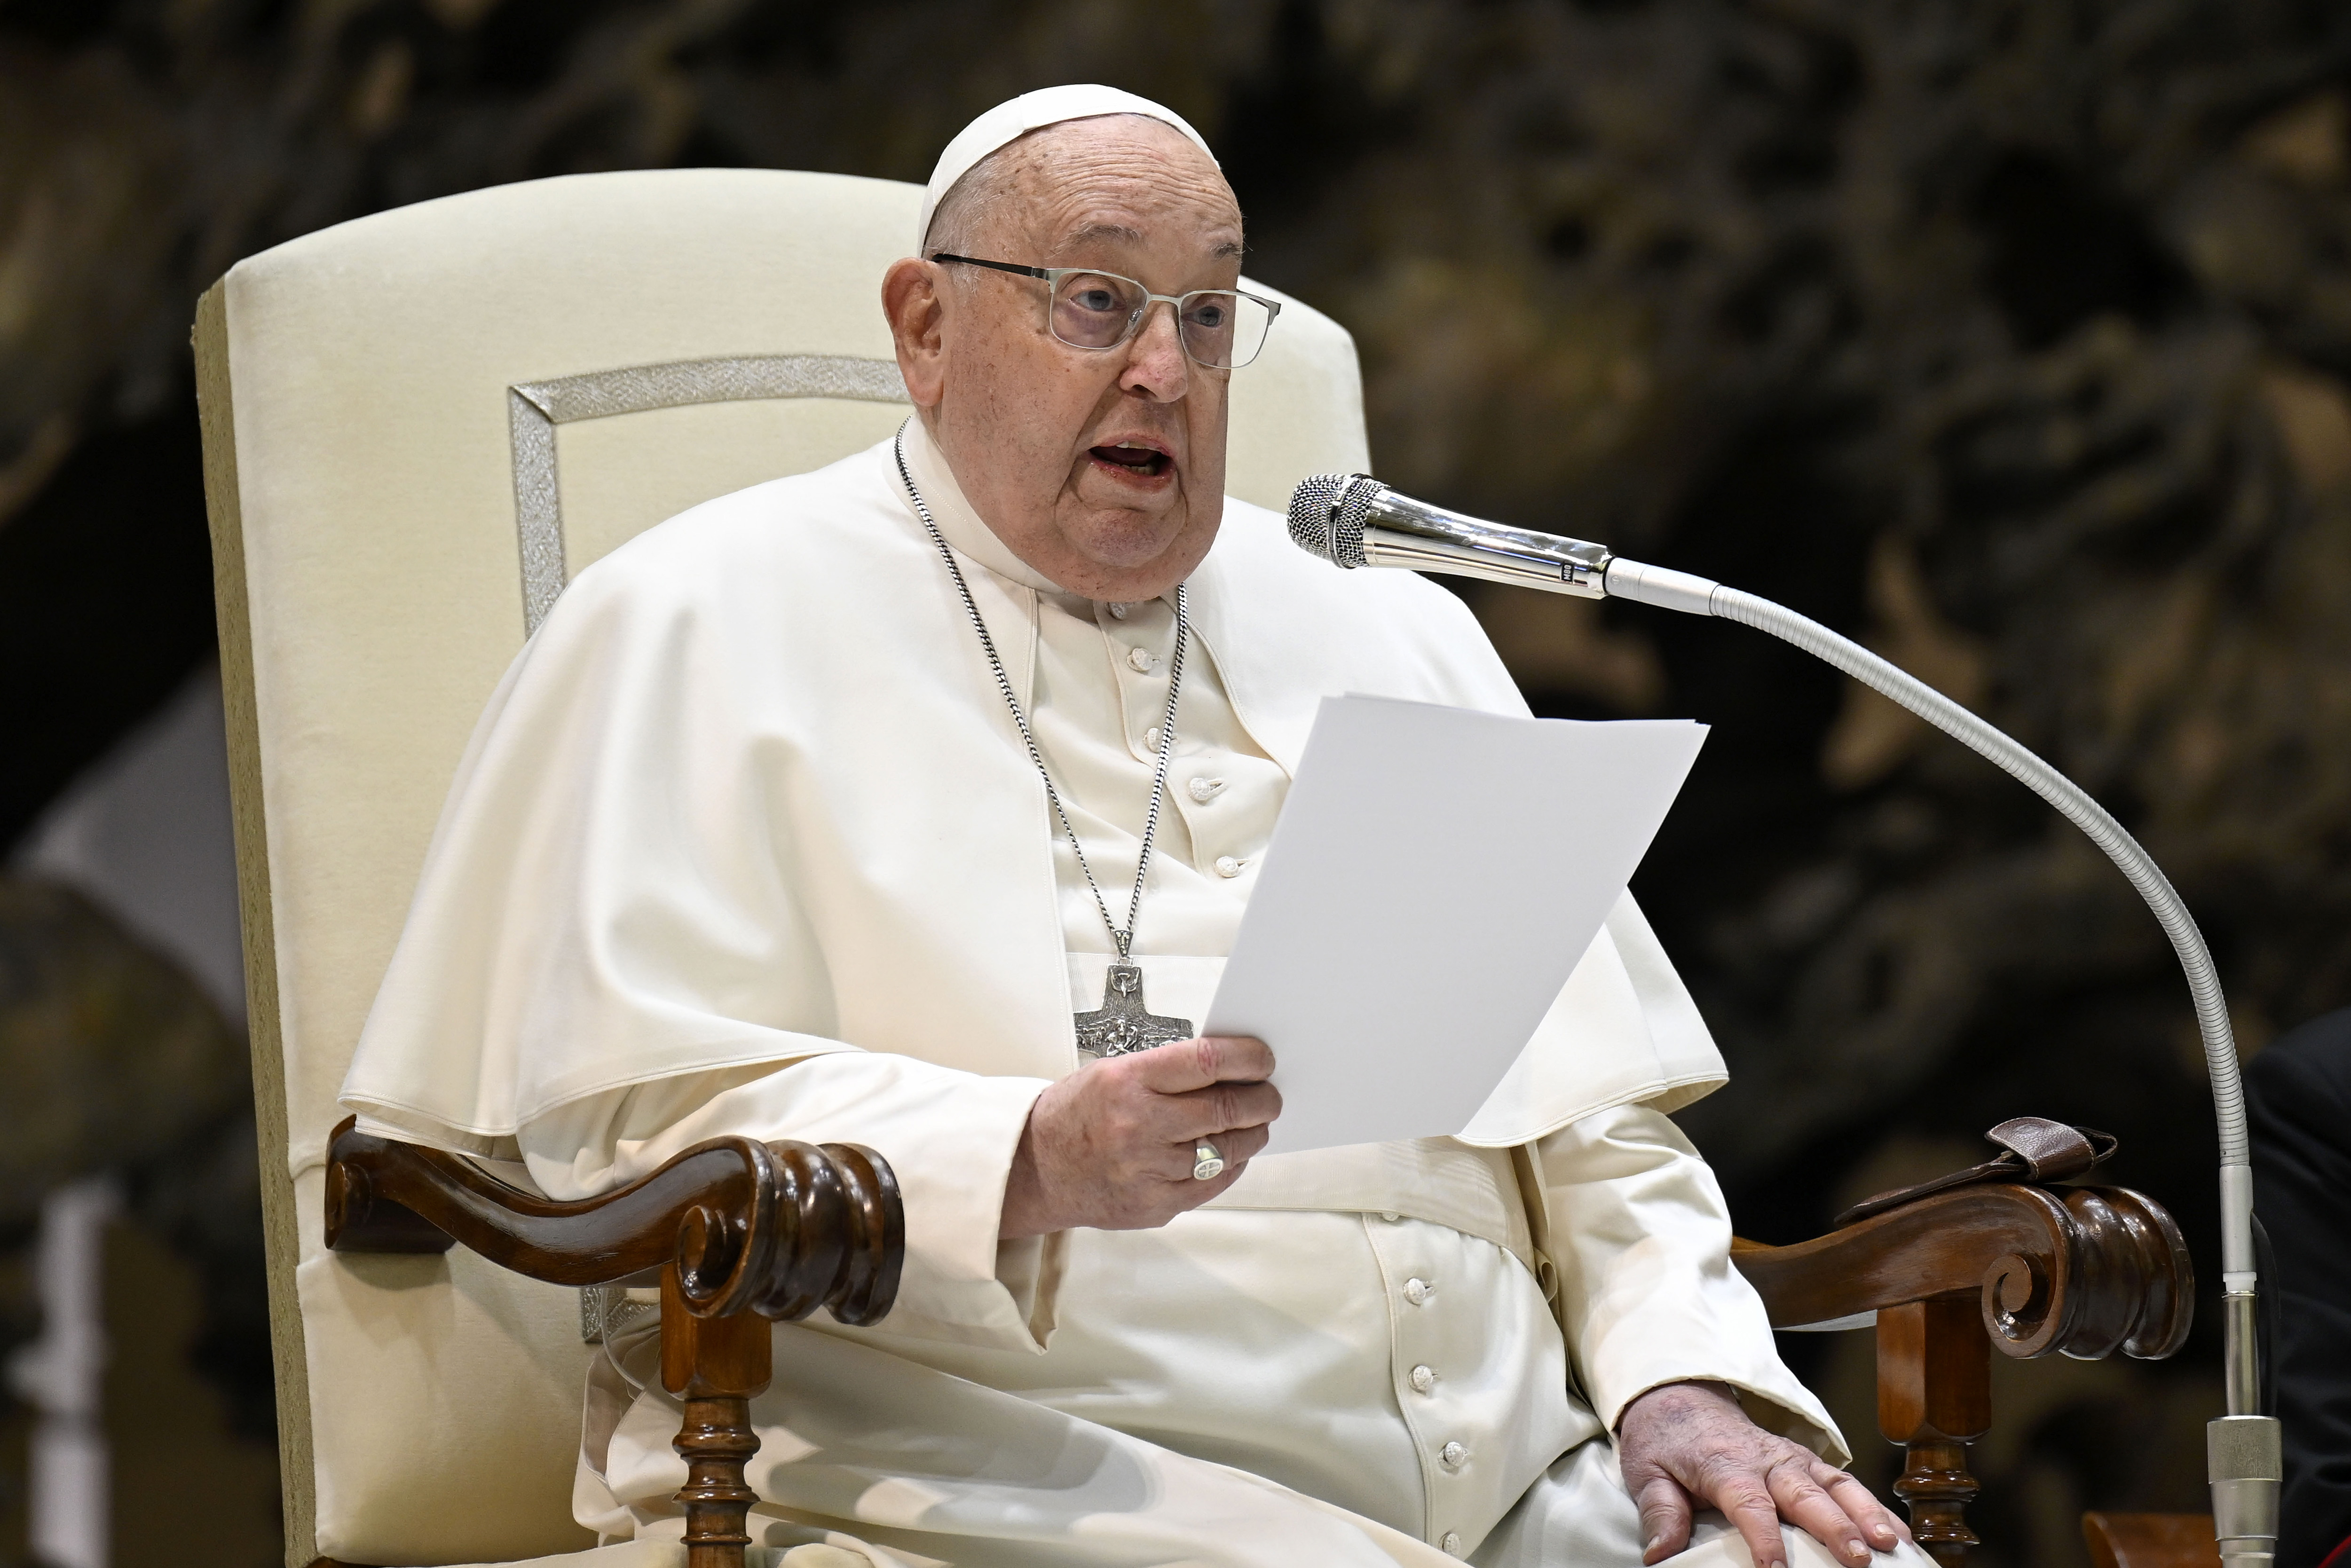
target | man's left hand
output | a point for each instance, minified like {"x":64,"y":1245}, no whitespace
{"x":1687,"y":1446}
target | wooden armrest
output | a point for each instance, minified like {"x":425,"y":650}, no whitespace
{"x":737,"y":1232}
{"x":2085,"y":1271}
{"x":780,"y":1229}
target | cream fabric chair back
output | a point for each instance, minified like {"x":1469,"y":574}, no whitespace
{"x":416,"y":427}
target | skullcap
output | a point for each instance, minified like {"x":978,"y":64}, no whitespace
{"x":1010,"y":120}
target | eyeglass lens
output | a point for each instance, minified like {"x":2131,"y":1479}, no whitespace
{"x":1097,"y":310}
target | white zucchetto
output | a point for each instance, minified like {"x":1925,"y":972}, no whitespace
{"x":1010,"y":120}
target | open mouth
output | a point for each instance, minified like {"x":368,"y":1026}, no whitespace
{"x":1124,"y":457}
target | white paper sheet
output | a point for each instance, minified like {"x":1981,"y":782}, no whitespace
{"x":1435,"y":874}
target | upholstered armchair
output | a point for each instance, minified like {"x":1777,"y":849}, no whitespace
{"x":417,"y":427}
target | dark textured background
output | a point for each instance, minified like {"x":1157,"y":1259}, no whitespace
{"x":2010,"y":335}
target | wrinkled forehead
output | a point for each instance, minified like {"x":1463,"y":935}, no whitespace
{"x":1121,"y":180}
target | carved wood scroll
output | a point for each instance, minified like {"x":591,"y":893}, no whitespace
{"x":776,"y":1228}
{"x":737,"y":1232}
{"x":2083,"y":1271}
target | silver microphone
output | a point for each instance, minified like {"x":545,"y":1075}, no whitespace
{"x":1353,"y":520}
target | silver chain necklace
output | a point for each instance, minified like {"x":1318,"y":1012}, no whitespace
{"x":1123,"y":1024}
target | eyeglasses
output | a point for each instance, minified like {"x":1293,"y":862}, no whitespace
{"x":1221,"y":328}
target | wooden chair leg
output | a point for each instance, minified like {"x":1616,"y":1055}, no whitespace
{"x":1934,"y":1398}
{"x":717,"y":1366}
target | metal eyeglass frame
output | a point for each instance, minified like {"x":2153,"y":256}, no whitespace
{"x":1053,"y":276}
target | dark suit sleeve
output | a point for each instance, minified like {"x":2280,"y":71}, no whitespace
{"x":2298,"y":1105}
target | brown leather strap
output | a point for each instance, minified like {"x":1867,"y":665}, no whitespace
{"x":2036,"y":1150}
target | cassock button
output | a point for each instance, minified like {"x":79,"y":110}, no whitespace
{"x":1117,"y":611}
{"x":1453,"y":1454}
{"x":1204,"y":790}
{"x":1227,"y":866}
{"x":1423,"y":1378}
{"x":1140,"y":659}
{"x":1151,"y":738}
{"x":1418,"y":1291}
{"x":1451,"y":1544}
{"x":1391,"y":1217}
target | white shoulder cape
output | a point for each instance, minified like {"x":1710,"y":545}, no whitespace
{"x":749,"y":795}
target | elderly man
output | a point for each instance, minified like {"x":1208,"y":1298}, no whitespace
{"x":826,"y":810}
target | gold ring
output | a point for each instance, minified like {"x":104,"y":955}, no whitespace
{"x":1207,"y":1161}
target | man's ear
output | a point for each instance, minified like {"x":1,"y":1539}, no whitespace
{"x":916,"y":310}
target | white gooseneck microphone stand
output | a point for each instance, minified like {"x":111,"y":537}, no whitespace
{"x":1353,"y":520}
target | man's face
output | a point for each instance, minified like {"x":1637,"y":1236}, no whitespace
{"x":1104,"y":469}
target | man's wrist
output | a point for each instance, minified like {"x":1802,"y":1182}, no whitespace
{"x":1028,"y":1208}
{"x":1687,"y":1390}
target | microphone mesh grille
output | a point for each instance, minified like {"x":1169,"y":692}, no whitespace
{"x":1327,"y":513}
{"x":1309,"y":512}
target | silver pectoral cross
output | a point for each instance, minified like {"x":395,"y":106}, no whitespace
{"x":1123,"y":1024}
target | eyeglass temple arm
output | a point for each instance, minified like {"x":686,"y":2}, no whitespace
{"x":998,"y":266}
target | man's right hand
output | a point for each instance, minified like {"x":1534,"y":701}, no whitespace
{"x":1110,"y":1146}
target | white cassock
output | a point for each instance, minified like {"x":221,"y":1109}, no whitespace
{"x":746,"y":844}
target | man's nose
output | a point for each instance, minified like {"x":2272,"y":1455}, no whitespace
{"x":1155,"y":363}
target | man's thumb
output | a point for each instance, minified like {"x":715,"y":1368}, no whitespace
{"x":1665,"y":1519}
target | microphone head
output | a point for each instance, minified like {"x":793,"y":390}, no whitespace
{"x":1327,"y":512}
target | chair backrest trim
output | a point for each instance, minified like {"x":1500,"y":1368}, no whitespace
{"x":535,"y":408}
